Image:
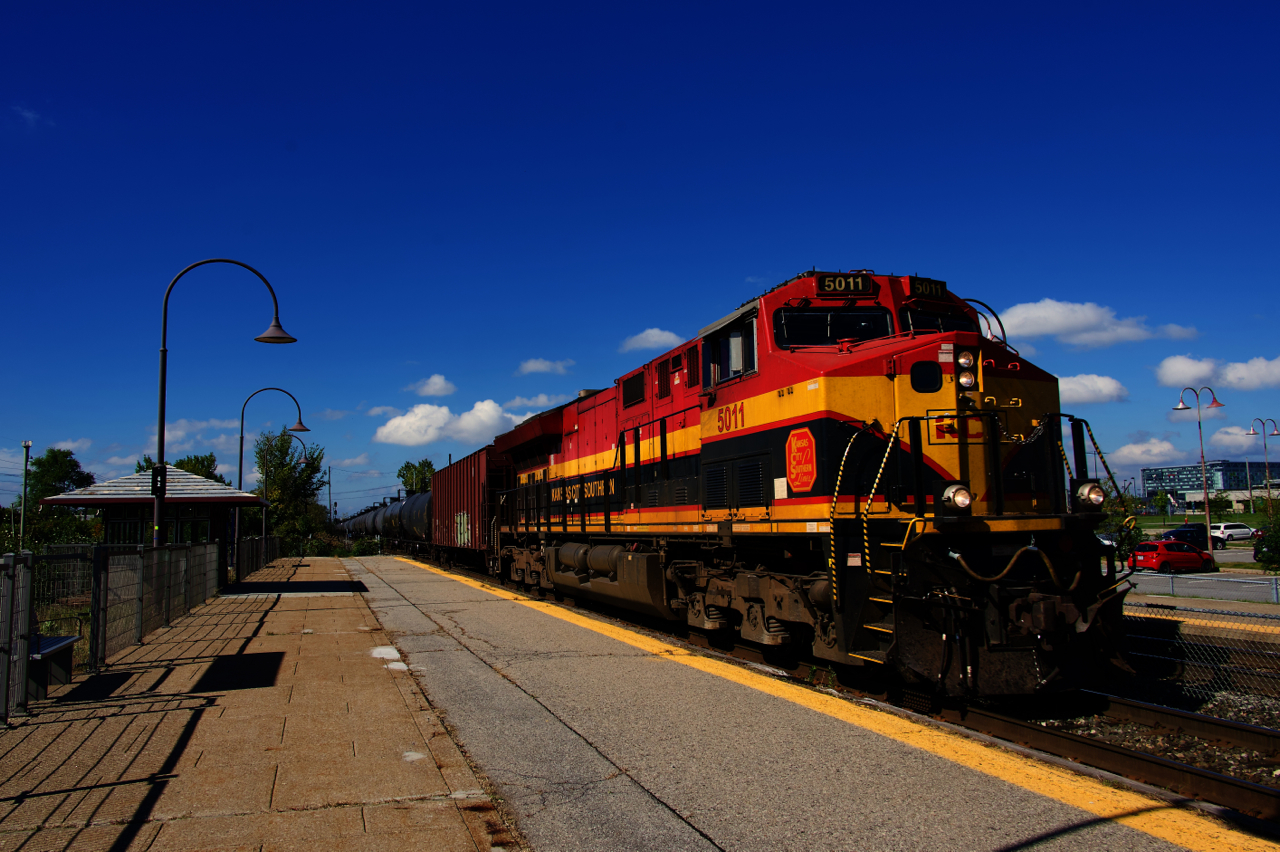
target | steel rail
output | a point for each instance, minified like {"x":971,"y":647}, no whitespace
{"x":1196,"y":724}
{"x":1243,"y":796}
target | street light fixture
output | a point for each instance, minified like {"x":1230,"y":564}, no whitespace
{"x":1204,"y":475}
{"x":297,"y":427}
{"x":1274,"y":433}
{"x":273,"y":334}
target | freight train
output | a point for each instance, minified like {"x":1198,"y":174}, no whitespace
{"x":857,"y":466}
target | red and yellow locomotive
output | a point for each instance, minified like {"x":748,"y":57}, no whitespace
{"x":847,"y":464}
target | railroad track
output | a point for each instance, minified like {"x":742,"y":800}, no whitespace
{"x":1232,"y":795}
{"x":1195,"y":782}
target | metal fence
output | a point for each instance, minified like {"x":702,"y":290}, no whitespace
{"x":1256,"y":589}
{"x":107,"y":597}
{"x":254,"y":554}
{"x":1206,"y":651}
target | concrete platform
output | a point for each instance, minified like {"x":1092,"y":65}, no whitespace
{"x":600,"y":737}
{"x":279,"y":718}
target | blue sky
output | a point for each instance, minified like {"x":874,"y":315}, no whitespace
{"x":503,"y":195}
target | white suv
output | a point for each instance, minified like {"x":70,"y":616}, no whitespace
{"x":1232,"y":532}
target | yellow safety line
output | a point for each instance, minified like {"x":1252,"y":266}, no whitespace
{"x":1207,"y":622}
{"x":1188,"y":829}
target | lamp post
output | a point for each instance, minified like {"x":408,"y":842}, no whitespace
{"x":297,"y":427}
{"x":305,"y":458}
{"x":22,"y":525}
{"x":1275,"y":432}
{"x":273,"y":334}
{"x":1204,"y":475}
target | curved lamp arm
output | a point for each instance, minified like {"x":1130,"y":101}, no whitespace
{"x":273,"y":334}
{"x":297,"y":427}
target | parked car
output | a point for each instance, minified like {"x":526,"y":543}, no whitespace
{"x":1171,"y":557}
{"x":1259,"y":549}
{"x":1193,"y":536}
{"x":1232,"y":532}
{"x":1260,"y":532}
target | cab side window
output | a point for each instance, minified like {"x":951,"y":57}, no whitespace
{"x":728,"y":353}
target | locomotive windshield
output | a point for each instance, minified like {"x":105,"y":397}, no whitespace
{"x":827,"y":326}
{"x":926,"y":321}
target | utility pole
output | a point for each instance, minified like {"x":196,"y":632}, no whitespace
{"x":1249,"y":479}
{"x":22,"y":526}
{"x":331,"y":518}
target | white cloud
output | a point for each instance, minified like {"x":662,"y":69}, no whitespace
{"x":1088,"y":387}
{"x":424,"y":424}
{"x":359,"y":461}
{"x":540,"y":401}
{"x":1183,"y":370}
{"x":542,"y":365}
{"x":651,"y":338}
{"x":1254,"y":374}
{"x":77,"y":446}
{"x":251,"y":478}
{"x":1152,"y":451}
{"x":1234,"y":438}
{"x":231,"y":443}
{"x":331,"y":414}
{"x":1177,"y":332}
{"x":1083,"y":324}
{"x":226,"y":470}
{"x":117,"y":461}
{"x":180,"y":429}
{"x":436,"y":385}
{"x":365,"y":474}
{"x":381,"y":410}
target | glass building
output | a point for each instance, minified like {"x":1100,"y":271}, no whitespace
{"x":1177,"y":480}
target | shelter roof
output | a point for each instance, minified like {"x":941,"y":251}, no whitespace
{"x":180,"y":487}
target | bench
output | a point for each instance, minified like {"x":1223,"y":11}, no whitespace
{"x":50,"y":664}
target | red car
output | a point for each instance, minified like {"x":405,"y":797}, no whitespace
{"x":1170,"y":557}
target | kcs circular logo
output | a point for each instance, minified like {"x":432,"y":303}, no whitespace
{"x":802,"y":463}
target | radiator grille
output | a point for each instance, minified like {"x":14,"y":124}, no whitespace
{"x":750,"y":484}
{"x":716,"y":487}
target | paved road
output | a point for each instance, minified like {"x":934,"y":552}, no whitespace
{"x":601,"y":745}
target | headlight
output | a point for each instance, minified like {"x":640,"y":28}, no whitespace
{"x":957,"y":496}
{"x":1091,"y":494}
{"x":967,"y":380}
{"x":965,"y":360}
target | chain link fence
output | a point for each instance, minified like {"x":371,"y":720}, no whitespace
{"x":254,"y":554}
{"x":1255,"y":589}
{"x":1206,"y":651}
{"x":76,"y":605}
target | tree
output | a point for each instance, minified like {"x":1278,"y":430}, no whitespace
{"x":1161,"y":503}
{"x":416,"y":477}
{"x":1220,"y":503}
{"x":55,"y":472}
{"x":292,"y":485}
{"x":206,"y":466}
{"x":1119,"y":508}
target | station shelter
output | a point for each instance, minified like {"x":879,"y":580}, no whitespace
{"x":197,"y":510}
